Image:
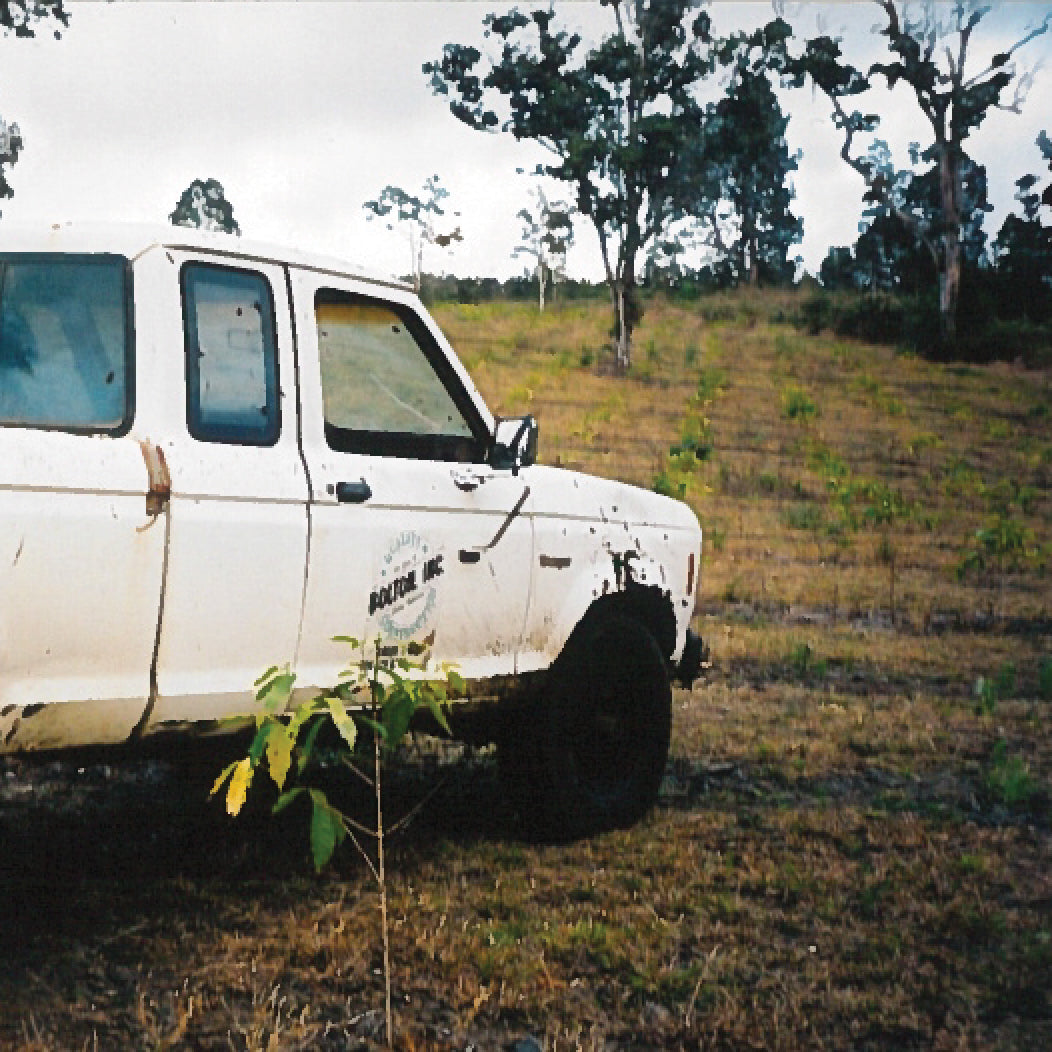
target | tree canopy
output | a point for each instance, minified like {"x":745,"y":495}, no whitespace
{"x":619,"y":119}
{"x":203,"y":204}
{"x":547,"y":233}
{"x":929,"y":51}
{"x":21,"y":17}
{"x":744,"y":193}
{"x":419,"y":215}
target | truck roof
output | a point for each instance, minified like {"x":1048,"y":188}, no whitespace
{"x":133,"y":239}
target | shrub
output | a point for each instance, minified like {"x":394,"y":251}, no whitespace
{"x":805,"y":664}
{"x":668,"y":486}
{"x":796,"y":405}
{"x":1008,"y":777}
{"x":696,"y":439}
{"x":1044,"y":679}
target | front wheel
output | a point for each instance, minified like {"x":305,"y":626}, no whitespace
{"x":594,"y":749}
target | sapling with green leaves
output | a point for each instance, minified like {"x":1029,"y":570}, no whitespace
{"x":371,"y":695}
{"x":1003,"y":542}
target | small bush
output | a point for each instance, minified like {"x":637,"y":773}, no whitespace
{"x":796,"y":405}
{"x":816,"y":314}
{"x":668,"y":486}
{"x":1044,"y":679}
{"x":805,"y":664}
{"x":716,"y":535}
{"x":696,"y":439}
{"x":1008,"y":777}
{"x":710,"y":384}
{"x":986,"y":697}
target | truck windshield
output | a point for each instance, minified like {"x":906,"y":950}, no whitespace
{"x":63,"y":342}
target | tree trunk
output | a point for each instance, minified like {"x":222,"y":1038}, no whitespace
{"x":540,"y":286}
{"x":623,"y":334}
{"x":950,"y":264}
{"x":622,"y":293}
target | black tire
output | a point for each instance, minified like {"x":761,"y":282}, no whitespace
{"x":590,"y":756}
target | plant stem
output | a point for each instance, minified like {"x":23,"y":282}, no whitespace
{"x":382,"y":874}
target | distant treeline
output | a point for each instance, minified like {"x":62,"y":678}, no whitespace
{"x":450,"y":289}
{"x":1006,"y":316}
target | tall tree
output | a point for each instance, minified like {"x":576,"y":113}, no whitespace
{"x":930,"y":48}
{"x":203,"y":204}
{"x":418,"y":214}
{"x":21,"y":18}
{"x":547,"y":233}
{"x":888,"y":254}
{"x":746,"y":193}
{"x":618,"y":119}
{"x":1023,"y":250}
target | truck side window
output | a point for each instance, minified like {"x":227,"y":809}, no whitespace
{"x":231,"y":356}
{"x":387,"y":389}
{"x":64,"y":343}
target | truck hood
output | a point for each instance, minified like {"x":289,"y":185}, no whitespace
{"x":560,"y":493}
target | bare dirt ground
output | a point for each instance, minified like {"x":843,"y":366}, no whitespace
{"x":827,"y":867}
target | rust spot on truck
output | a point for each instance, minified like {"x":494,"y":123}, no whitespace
{"x":555,"y":562}
{"x":160,"y":488}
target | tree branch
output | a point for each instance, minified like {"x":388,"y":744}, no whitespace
{"x":1002,"y":58}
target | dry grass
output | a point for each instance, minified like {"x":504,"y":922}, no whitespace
{"x":852,"y":848}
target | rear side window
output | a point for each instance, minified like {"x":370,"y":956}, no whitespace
{"x":65,"y":343}
{"x":231,"y":356}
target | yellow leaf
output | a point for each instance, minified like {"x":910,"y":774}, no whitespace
{"x":344,"y":724}
{"x":279,"y":754}
{"x":223,"y":775}
{"x":238,"y":788}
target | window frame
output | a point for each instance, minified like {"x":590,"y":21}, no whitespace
{"x":192,"y":370}
{"x":407,"y":445}
{"x":128,"y":280}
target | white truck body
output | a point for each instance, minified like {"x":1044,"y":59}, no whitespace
{"x":201,"y":510}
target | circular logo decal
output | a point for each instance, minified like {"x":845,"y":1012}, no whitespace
{"x":405,"y":595}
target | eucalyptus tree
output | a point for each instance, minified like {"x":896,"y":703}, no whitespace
{"x":547,"y":233}
{"x":1023,"y":249}
{"x":619,"y":118}
{"x":418,"y":215}
{"x":931,"y":46}
{"x":745,"y":190}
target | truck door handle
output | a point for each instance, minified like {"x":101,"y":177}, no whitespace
{"x":353,"y":492}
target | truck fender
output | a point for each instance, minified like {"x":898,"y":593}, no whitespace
{"x":627,"y":582}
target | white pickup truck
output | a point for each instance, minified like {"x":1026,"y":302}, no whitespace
{"x":215,"y":456}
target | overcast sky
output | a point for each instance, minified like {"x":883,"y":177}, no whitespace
{"x":305,"y":110}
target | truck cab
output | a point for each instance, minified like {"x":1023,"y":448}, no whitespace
{"x":216,"y":456}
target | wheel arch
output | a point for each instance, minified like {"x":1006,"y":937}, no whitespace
{"x":647,"y":604}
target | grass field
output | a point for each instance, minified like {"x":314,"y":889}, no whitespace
{"x":853,"y":846}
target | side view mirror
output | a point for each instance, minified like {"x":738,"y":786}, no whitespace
{"x":514,"y":444}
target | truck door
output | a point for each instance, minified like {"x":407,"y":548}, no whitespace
{"x":80,"y":579}
{"x":414,"y":539}
{"x":237,"y":519}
